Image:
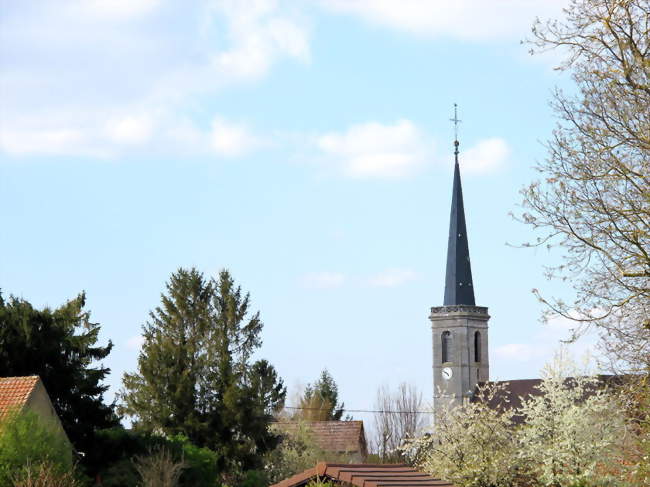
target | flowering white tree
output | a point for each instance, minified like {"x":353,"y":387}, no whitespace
{"x":573,"y":430}
{"x":591,"y":199}
{"x":573,"y":435}
{"x":473,"y":445}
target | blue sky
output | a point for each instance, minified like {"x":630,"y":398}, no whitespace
{"x":306,"y":146}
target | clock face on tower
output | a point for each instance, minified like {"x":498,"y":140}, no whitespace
{"x":447,"y":373}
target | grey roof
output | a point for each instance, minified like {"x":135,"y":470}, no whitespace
{"x":515,"y":392}
{"x":459,"y":288}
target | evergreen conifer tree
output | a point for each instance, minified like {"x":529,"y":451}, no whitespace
{"x":195,"y":373}
{"x":61,"y":347}
{"x":320,"y":400}
{"x":162,"y":395}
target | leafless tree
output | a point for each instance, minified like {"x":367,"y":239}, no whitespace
{"x":45,"y":475}
{"x":593,"y":197}
{"x":398,"y":419}
{"x":159,"y":469}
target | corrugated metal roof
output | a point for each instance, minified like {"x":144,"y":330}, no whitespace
{"x":365,"y":475}
{"x":15,"y":392}
{"x":332,"y":436}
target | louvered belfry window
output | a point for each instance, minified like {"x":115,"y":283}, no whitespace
{"x":446,"y":346}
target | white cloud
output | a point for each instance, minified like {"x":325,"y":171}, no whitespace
{"x":460,"y":19}
{"x":135,"y":342}
{"x":54,"y":141}
{"x":75,"y":83}
{"x":487,"y":155}
{"x":401,"y":149}
{"x":130,"y":129}
{"x":259,"y":35}
{"x":375,"y":150}
{"x":392,"y":278}
{"x":323,"y":280}
{"x":230,"y":139}
{"x":116,"y":9}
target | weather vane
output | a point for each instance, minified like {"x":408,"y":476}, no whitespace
{"x":456,"y":122}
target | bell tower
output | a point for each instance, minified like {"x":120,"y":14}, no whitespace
{"x":460,"y":328}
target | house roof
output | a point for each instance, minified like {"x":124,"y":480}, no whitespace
{"x":365,"y":475}
{"x":15,"y":392}
{"x":513,"y":392}
{"x":332,"y":436}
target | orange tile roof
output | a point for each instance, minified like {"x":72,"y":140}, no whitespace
{"x":332,"y":436}
{"x":15,"y":392}
{"x":365,"y":475}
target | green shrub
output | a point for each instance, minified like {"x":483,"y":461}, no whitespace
{"x":254,"y":478}
{"x":121,"y":473}
{"x":201,"y":463}
{"x":118,"y":447}
{"x":26,"y":439}
{"x":112,"y":454}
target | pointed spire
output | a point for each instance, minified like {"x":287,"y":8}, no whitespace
{"x":459,"y":288}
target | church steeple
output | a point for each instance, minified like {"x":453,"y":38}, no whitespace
{"x":459,"y":327}
{"x":459,"y":288}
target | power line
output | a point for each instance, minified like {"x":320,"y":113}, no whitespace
{"x":360,"y":410}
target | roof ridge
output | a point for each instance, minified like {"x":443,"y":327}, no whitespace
{"x":36,"y":376}
{"x":365,"y":474}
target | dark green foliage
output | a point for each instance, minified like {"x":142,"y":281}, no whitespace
{"x":166,"y":390}
{"x":265,"y":387}
{"x":27,"y":439}
{"x":120,"y":474}
{"x":117,"y":448}
{"x":113,"y":452}
{"x":200,"y":463}
{"x":60,"y":347}
{"x":195,"y":375}
{"x":254,"y":478}
{"x":320,"y":400}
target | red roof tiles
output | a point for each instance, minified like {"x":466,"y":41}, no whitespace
{"x":332,"y":436}
{"x":15,"y":392}
{"x":365,"y":475}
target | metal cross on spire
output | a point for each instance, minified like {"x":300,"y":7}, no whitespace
{"x":456,"y":122}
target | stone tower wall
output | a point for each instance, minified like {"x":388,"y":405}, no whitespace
{"x":462,"y":322}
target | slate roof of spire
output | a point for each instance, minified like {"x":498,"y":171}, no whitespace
{"x":459,"y":288}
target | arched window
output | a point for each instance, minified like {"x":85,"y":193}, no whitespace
{"x":446,"y":346}
{"x":477,"y":346}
